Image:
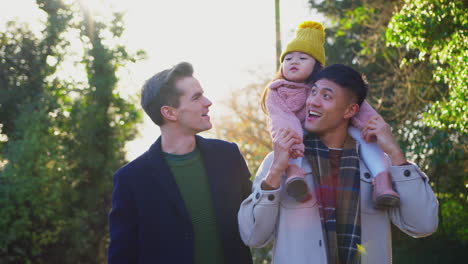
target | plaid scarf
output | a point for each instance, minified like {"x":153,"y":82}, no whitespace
{"x":338,"y":199}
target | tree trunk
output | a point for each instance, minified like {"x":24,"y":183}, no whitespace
{"x":278,"y":33}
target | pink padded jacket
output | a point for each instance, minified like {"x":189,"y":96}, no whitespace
{"x":286,"y":104}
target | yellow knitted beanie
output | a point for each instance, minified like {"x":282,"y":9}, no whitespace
{"x":310,"y":37}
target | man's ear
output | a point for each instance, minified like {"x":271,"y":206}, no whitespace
{"x":169,"y":113}
{"x":351,"y":111}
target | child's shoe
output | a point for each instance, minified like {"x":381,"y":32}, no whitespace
{"x":383,"y":194}
{"x":296,"y":185}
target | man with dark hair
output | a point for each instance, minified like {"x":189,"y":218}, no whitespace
{"x":339,"y":223}
{"x":178,"y":201}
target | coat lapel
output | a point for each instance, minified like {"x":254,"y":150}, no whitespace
{"x":163,"y":175}
{"x":213,"y":170}
{"x":213,"y":163}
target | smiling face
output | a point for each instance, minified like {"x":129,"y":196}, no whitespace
{"x":192,"y":114}
{"x":298,"y":66}
{"x":329,"y":107}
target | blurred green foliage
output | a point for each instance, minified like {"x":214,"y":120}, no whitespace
{"x":438,"y":31}
{"x":62,"y":138}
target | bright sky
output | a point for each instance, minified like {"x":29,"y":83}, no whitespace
{"x":225,"y":40}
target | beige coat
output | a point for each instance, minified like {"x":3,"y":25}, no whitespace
{"x":296,"y":231}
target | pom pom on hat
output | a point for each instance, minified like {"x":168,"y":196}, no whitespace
{"x":309,"y":39}
{"x":311,"y":24}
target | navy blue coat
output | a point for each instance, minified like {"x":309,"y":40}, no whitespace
{"x":149,"y":222}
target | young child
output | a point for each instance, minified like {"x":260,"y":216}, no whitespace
{"x":285,"y":101}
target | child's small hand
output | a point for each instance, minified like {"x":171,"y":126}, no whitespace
{"x":295,"y":153}
{"x":282,"y":144}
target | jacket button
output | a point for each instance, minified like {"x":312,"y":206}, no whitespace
{"x":320,"y":242}
{"x":407,"y":173}
{"x":367,"y":175}
{"x":271,"y":197}
{"x":257,"y":196}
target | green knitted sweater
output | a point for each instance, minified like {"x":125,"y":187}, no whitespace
{"x":190,"y":176}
